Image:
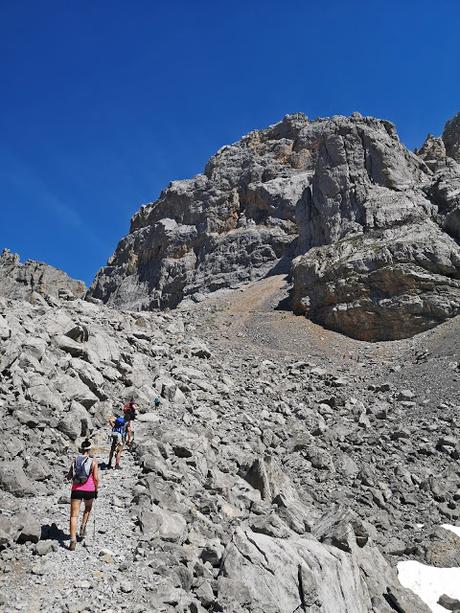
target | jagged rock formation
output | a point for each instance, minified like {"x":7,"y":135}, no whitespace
{"x":451,"y":137}
{"x":374,"y":227}
{"x":35,"y":281}
{"x":226,"y":226}
{"x":398,"y":273}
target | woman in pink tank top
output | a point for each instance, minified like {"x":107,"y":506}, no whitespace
{"x":85,"y":483}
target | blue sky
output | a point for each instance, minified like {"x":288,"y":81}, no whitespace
{"x":103,"y":103}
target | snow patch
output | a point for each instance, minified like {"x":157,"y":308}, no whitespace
{"x":429,"y":582}
{"x":454,"y":529}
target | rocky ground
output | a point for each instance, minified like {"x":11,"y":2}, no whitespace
{"x":287,"y":469}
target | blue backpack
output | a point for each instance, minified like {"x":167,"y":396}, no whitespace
{"x":120,"y":425}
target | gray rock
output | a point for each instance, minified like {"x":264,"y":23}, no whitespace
{"x":43,"y":548}
{"x":9,"y":532}
{"x":342,"y":528}
{"x":451,"y":604}
{"x":301,"y":566}
{"x":38,"y":469}
{"x":14,"y":480}
{"x":30,"y":527}
{"x":369,"y":220}
{"x":451,"y":137}
{"x":165,"y":524}
{"x":32,"y":280}
{"x":265,"y":475}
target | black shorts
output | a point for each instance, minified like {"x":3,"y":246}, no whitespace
{"x":77,"y":495}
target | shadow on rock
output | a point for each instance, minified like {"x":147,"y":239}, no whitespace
{"x":53,"y":533}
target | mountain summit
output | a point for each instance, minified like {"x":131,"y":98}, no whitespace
{"x":368,"y":229}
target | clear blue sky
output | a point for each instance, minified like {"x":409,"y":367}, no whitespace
{"x":105,"y":101}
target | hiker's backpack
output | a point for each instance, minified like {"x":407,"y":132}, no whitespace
{"x":120,"y":425}
{"x":129,"y":411}
{"x":81,"y":469}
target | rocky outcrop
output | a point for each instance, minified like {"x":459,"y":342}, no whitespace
{"x":451,"y":137}
{"x":373,"y":226}
{"x":221,"y":228}
{"x":397,"y":272}
{"x":387,"y":285}
{"x":35,"y":280}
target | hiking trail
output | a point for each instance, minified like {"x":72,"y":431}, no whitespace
{"x":73,"y":581}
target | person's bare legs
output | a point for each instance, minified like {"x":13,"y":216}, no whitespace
{"x":86,"y":512}
{"x":74,"y":513}
{"x":118,"y":456}
{"x":112,"y":451}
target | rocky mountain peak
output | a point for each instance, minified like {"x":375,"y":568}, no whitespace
{"x":367,"y":227}
{"x":433,"y":152}
{"x":35,"y":281}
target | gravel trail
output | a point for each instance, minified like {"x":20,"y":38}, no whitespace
{"x":82,"y":580}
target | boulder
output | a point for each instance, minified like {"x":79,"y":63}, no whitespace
{"x":29,"y":527}
{"x":167,"y":525}
{"x":38,"y":469}
{"x":14,"y":480}
{"x":9,"y":532}
{"x":309,"y":576}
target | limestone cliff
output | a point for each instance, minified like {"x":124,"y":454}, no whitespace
{"x":368,"y":228}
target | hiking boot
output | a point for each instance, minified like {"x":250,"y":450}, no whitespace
{"x":109,"y":467}
{"x":83,"y":531}
{"x":118,"y":467}
{"x":72,"y":545}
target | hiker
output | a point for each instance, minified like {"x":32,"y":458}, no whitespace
{"x":129,"y":412}
{"x":85,"y":483}
{"x":118,"y":437}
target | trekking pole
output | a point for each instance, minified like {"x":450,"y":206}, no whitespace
{"x":94,"y":521}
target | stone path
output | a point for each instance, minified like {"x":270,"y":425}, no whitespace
{"x":82,"y":580}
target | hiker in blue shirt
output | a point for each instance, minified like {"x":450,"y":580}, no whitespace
{"x":119,"y":427}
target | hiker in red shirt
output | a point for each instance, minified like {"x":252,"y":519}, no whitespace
{"x":129,"y":412}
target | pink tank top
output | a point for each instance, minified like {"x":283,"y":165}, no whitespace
{"x":89,"y":486}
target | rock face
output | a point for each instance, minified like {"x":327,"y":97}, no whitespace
{"x":451,"y":137}
{"x":397,"y":272}
{"x":228,"y":225}
{"x":373,"y":226}
{"x":35,"y":280}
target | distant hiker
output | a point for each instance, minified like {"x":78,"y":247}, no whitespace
{"x":157,"y":402}
{"x":118,"y":437}
{"x":130,"y":412}
{"x":85,"y":483}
